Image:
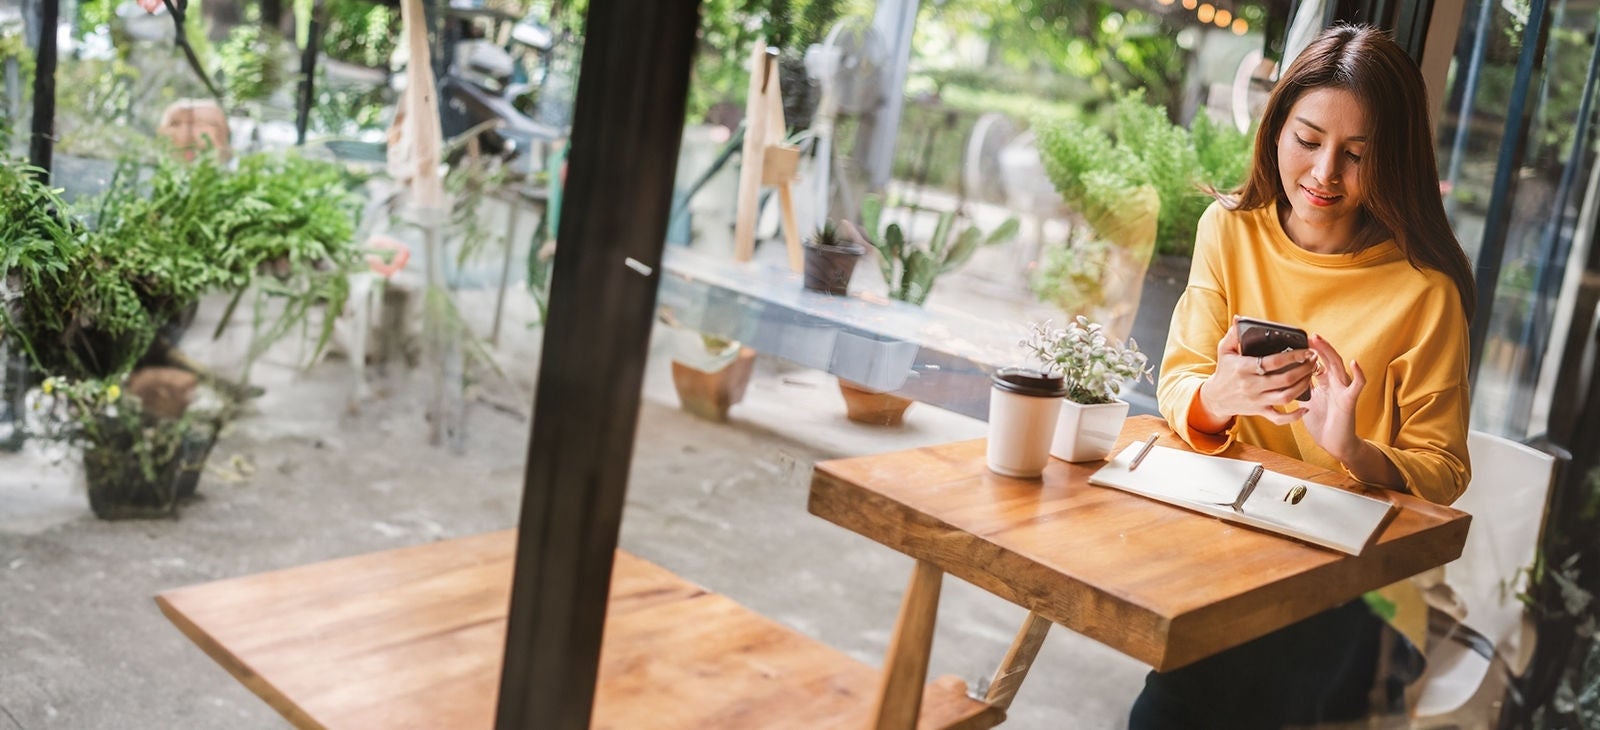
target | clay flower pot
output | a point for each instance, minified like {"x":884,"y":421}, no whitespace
{"x":709,"y":394}
{"x":872,"y":407}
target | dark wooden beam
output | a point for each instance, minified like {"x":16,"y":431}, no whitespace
{"x":627,"y":125}
{"x":41,"y":146}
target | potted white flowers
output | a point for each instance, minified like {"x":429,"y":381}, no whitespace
{"x":1094,"y":369}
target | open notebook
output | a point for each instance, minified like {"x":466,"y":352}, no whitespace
{"x":1328,"y":516}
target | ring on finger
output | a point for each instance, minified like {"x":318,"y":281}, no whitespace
{"x":1260,"y":370}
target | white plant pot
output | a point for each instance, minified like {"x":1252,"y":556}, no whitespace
{"x":1087,"y":433}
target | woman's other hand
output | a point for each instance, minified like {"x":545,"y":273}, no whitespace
{"x":1252,"y":386}
{"x":1330,"y":415}
{"x":1330,"y":418}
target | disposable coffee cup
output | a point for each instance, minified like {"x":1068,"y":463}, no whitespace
{"x":1023,"y":407}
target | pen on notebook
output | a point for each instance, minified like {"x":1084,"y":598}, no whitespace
{"x":1144,"y":451}
{"x":1250,"y":483}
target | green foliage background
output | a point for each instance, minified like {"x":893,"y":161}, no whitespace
{"x":1091,"y":161}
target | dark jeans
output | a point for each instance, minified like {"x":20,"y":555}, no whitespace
{"x":1319,"y":670}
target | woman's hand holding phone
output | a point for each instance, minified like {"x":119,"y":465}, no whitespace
{"x":1245,"y":385}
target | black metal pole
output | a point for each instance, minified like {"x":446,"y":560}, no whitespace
{"x":627,"y":125}
{"x":1411,"y":20}
{"x":308,"y":73}
{"x":41,"y":145}
{"x":1497,"y":223}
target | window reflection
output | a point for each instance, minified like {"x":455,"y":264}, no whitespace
{"x":1553,"y":180}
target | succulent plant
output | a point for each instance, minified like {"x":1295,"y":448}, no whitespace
{"x":910,"y":269}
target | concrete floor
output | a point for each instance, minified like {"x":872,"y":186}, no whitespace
{"x":302,"y":478}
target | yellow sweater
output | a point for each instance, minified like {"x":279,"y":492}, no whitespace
{"x":1405,"y":326}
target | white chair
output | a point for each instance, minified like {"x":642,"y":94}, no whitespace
{"x":1507,"y":499}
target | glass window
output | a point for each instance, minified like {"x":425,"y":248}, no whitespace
{"x":1553,"y":182}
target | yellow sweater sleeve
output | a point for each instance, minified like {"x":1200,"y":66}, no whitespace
{"x":1431,"y":405}
{"x":1198,"y":323}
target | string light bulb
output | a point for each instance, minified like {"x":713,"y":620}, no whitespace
{"x":1224,"y":17}
{"x":1189,"y":4}
{"x":1240,"y":26}
{"x":1164,"y":2}
{"x":1205,"y":13}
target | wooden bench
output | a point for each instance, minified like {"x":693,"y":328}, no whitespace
{"x":414,"y":637}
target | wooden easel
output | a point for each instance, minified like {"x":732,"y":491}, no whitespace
{"x":766,"y":159}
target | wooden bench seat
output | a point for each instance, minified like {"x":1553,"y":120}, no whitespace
{"x":413,"y":638}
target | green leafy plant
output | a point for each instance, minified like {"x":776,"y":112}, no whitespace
{"x":911,"y":269}
{"x":252,"y":60}
{"x":1562,"y":686}
{"x":98,"y":414}
{"x":1070,"y":275}
{"x":1090,"y":166}
{"x":361,"y":32}
{"x":89,"y":303}
{"x":829,"y":236}
{"x":56,"y":293}
{"x":1093,"y":366}
{"x":135,"y":461}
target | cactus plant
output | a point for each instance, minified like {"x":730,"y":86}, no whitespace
{"x":911,"y":269}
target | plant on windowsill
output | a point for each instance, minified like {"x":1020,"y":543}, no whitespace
{"x":710,"y":375}
{"x":910,"y":269}
{"x":1094,"y":368}
{"x":830,"y":260}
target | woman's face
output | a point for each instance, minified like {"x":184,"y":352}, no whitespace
{"x":1319,"y":164}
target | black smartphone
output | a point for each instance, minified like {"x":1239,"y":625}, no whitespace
{"x":1259,"y":338}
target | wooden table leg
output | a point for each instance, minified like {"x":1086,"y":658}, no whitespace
{"x":905,"y":670}
{"x":1008,"y":678}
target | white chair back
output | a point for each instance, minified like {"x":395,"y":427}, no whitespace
{"x":1507,"y":498}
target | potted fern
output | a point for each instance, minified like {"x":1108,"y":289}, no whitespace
{"x":89,"y":306}
{"x":1094,"y":369}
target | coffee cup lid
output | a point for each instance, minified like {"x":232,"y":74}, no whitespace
{"x":1028,"y":381}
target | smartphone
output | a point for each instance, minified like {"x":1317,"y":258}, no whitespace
{"x":1259,"y":338}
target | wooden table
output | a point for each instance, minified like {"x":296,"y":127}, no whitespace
{"x":414,"y":638}
{"x":1161,"y":584}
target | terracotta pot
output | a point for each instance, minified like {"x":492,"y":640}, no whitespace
{"x":1087,"y":433}
{"x":196,"y":125}
{"x":873,"y":408}
{"x":709,"y":394}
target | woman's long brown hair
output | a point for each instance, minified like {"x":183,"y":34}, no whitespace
{"x":1399,"y":169}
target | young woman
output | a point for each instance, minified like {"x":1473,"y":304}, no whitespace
{"x":1339,"y":231}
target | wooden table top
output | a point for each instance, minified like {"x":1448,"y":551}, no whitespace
{"x":1163,"y":585}
{"x":414,"y":638}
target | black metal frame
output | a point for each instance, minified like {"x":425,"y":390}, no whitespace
{"x":1497,"y":224}
{"x":41,"y":146}
{"x":1555,"y":245}
{"x":1410,"y":23}
{"x":628,"y":122}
